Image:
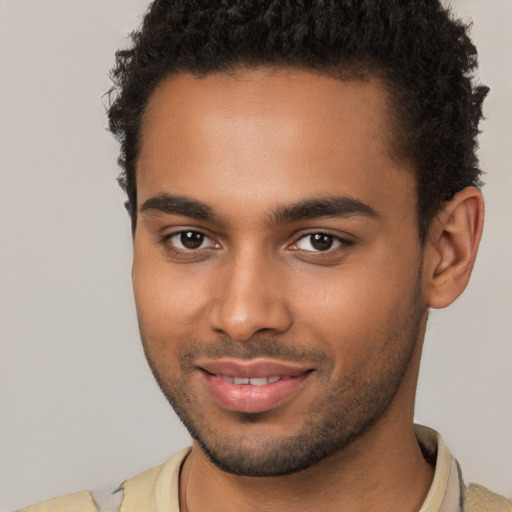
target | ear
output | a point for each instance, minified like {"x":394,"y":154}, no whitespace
{"x":452,"y":246}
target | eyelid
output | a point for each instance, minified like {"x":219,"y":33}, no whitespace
{"x":166,"y":239}
{"x":341,"y":241}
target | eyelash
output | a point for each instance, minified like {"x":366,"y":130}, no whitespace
{"x":335,"y":239}
{"x":166,"y":240}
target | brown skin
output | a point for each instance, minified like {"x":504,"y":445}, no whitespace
{"x":245,"y":145}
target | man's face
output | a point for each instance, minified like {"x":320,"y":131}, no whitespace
{"x":277,"y":264}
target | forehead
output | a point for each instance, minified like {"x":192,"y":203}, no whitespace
{"x":273,"y":134}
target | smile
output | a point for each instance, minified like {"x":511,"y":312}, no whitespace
{"x":252,"y":381}
{"x":250,"y":387}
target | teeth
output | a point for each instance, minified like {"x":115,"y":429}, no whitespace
{"x":253,"y":381}
{"x":258,"y":381}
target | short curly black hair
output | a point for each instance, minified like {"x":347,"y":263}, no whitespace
{"x":423,"y":53}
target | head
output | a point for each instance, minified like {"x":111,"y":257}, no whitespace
{"x":297,"y":176}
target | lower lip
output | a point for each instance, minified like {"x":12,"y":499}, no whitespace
{"x":252,"y":399}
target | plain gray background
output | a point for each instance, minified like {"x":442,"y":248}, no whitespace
{"x":79,"y":408}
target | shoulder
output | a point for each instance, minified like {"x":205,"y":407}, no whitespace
{"x":136,"y":493}
{"x":83,"y":501}
{"x":79,"y":501}
{"x":480,"y":499}
{"x":155,"y":488}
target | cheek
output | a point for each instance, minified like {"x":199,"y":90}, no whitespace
{"x":168,"y":303}
{"x":360,"y":307}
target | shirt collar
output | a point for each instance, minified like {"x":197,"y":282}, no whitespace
{"x":445,"y":493}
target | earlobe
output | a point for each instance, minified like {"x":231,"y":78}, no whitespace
{"x":452,"y":247}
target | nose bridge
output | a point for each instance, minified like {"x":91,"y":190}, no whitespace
{"x":248,"y":298}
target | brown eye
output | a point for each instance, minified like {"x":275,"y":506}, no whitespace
{"x":189,"y":245}
{"x":318,"y":242}
{"x":188,"y":240}
{"x":191,"y":239}
{"x":321,"y":241}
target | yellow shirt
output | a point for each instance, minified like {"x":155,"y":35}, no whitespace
{"x":156,"y":490}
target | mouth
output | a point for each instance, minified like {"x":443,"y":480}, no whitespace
{"x":251,"y":381}
{"x":252,"y":386}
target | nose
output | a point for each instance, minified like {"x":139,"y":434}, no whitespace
{"x":249,"y":298}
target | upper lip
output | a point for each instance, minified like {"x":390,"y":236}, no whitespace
{"x":252,"y":368}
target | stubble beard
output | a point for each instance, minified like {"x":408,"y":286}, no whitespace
{"x":350,"y":407}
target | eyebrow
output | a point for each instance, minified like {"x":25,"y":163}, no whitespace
{"x":177,"y":205}
{"x":331,"y":206}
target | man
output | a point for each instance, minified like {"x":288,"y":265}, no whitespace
{"x":303,"y":187}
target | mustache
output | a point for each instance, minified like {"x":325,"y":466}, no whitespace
{"x":251,"y":349}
